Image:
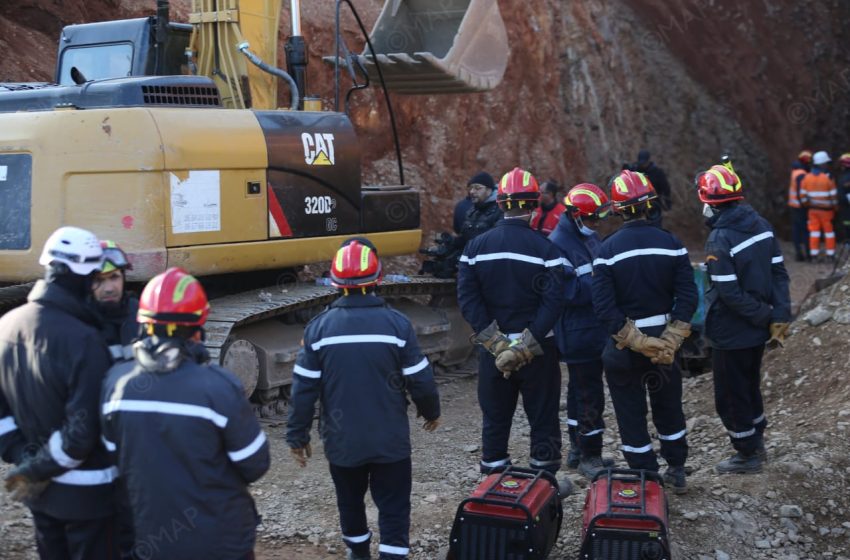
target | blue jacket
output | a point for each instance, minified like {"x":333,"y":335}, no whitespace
{"x":643,"y":273}
{"x":579,"y":333}
{"x":749,"y":283}
{"x":512,"y":275}
{"x":187,"y":445}
{"x":360,"y":358}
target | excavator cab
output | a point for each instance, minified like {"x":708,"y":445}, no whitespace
{"x":445,"y":46}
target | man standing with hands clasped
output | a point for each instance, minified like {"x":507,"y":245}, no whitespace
{"x":360,"y":358}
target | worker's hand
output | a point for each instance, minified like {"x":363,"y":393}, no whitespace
{"x":431,"y":425}
{"x":673,"y":336}
{"x":778,"y":331}
{"x":492,"y":339}
{"x":632,"y":338}
{"x":21,"y":487}
{"x":301,"y":454}
{"x":520,"y":352}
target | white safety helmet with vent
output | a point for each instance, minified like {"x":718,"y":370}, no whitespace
{"x":821,"y":158}
{"x":76,"y":248}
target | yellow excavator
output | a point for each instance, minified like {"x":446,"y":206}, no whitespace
{"x":167,"y":138}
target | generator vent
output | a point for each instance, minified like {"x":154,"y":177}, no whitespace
{"x":195,"y":96}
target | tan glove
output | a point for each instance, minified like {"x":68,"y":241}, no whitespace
{"x":301,"y":454}
{"x":431,"y":425}
{"x":520,"y":352}
{"x":632,"y":338}
{"x":492,"y":339}
{"x":674,"y":335}
{"x":777,"y":334}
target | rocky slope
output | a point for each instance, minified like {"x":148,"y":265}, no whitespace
{"x":589,"y":83}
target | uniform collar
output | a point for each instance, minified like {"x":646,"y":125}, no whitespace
{"x":513,"y":222}
{"x":358,"y":300}
{"x":637,"y":223}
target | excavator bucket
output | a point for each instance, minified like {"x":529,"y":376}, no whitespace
{"x":439,"y":46}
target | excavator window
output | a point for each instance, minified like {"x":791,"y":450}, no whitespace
{"x":96,"y":62}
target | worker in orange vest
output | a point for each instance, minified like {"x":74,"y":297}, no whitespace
{"x":819,"y":193}
{"x":799,"y":213}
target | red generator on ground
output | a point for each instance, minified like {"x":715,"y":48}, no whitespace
{"x":512,"y":515}
{"x":625,"y":517}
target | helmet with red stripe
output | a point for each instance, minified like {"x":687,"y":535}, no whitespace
{"x":632,"y":191}
{"x":586,"y":200}
{"x":844,"y":160}
{"x":805,"y":157}
{"x":356,"y":265}
{"x":174,"y":299}
{"x":719,"y":185}
{"x":518,"y":189}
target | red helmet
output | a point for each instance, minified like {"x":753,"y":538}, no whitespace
{"x":587,"y":200}
{"x":356,"y":265}
{"x":518,"y":187}
{"x":174,"y":297}
{"x":630,"y":189}
{"x":805,"y":157}
{"x":844,"y":160}
{"x":719,"y":185}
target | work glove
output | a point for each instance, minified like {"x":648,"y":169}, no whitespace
{"x":492,"y":339}
{"x":520,"y":352}
{"x":431,"y":425}
{"x":22,"y":485}
{"x":777,"y":334}
{"x":632,"y":338}
{"x":674,"y":335}
{"x":301,"y":454}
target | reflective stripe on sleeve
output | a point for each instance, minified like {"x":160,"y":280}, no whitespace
{"x":777,"y":260}
{"x":7,"y":425}
{"x":312,"y":374}
{"x":54,"y":444}
{"x":249,"y":449}
{"x":415,"y":369}
{"x":111,"y":447}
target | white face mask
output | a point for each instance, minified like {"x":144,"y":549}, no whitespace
{"x":586,"y":230}
{"x":707,"y":211}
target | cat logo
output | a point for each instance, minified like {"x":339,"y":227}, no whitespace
{"x":318,"y":148}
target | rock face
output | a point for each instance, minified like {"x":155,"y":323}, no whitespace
{"x":589,"y":83}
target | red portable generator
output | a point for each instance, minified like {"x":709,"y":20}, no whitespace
{"x":512,"y":515}
{"x":625,"y":517}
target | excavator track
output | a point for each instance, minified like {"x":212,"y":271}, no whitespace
{"x":257,"y":333}
{"x":13,"y":296}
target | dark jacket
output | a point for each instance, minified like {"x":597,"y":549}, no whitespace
{"x":843,"y":184}
{"x":360,"y":358}
{"x":480,"y":218}
{"x":187,"y":445}
{"x":52,"y":365}
{"x":749,"y":283}
{"x":119,"y":328}
{"x":512,"y":275}
{"x":659,"y":181}
{"x":579,"y":333}
{"x":643,"y":273}
{"x":462,"y":208}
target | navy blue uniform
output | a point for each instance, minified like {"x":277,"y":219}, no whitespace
{"x":187,"y":445}
{"x":514,"y":276}
{"x":643,"y":273}
{"x":581,"y":337}
{"x":843,"y":184}
{"x":749,"y":290}
{"x":361,"y":359}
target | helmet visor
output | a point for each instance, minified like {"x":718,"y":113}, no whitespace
{"x":116,"y":258}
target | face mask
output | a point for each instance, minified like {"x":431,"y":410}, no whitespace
{"x":586,"y":230}
{"x":707,"y":211}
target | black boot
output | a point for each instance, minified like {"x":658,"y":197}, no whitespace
{"x":352,"y":556}
{"x":740,"y":464}
{"x":589,"y":467}
{"x":675,"y":478}
{"x":573,"y":457}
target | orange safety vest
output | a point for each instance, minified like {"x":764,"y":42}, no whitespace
{"x":818,"y":191}
{"x":793,"y":198}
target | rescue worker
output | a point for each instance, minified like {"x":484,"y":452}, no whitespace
{"x":52,"y":364}
{"x":511,"y":291}
{"x":545,"y":217}
{"x":580,"y":335}
{"x":748,"y":304}
{"x":484,"y":213}
{"x":645,"y":295}
{"x":462,"y":208}
{"x":117,"y":308}
{"x":844,"y":194}
{"x":819,"y":194}
{"x":361,"y":359}
{"x":184,"y":437}
{"x":799,"y":213}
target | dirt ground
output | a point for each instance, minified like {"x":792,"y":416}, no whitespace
{"x":808,"y":404}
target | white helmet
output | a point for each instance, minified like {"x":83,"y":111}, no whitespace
{"x":820,"y":158}
{"x":77,"y":248}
